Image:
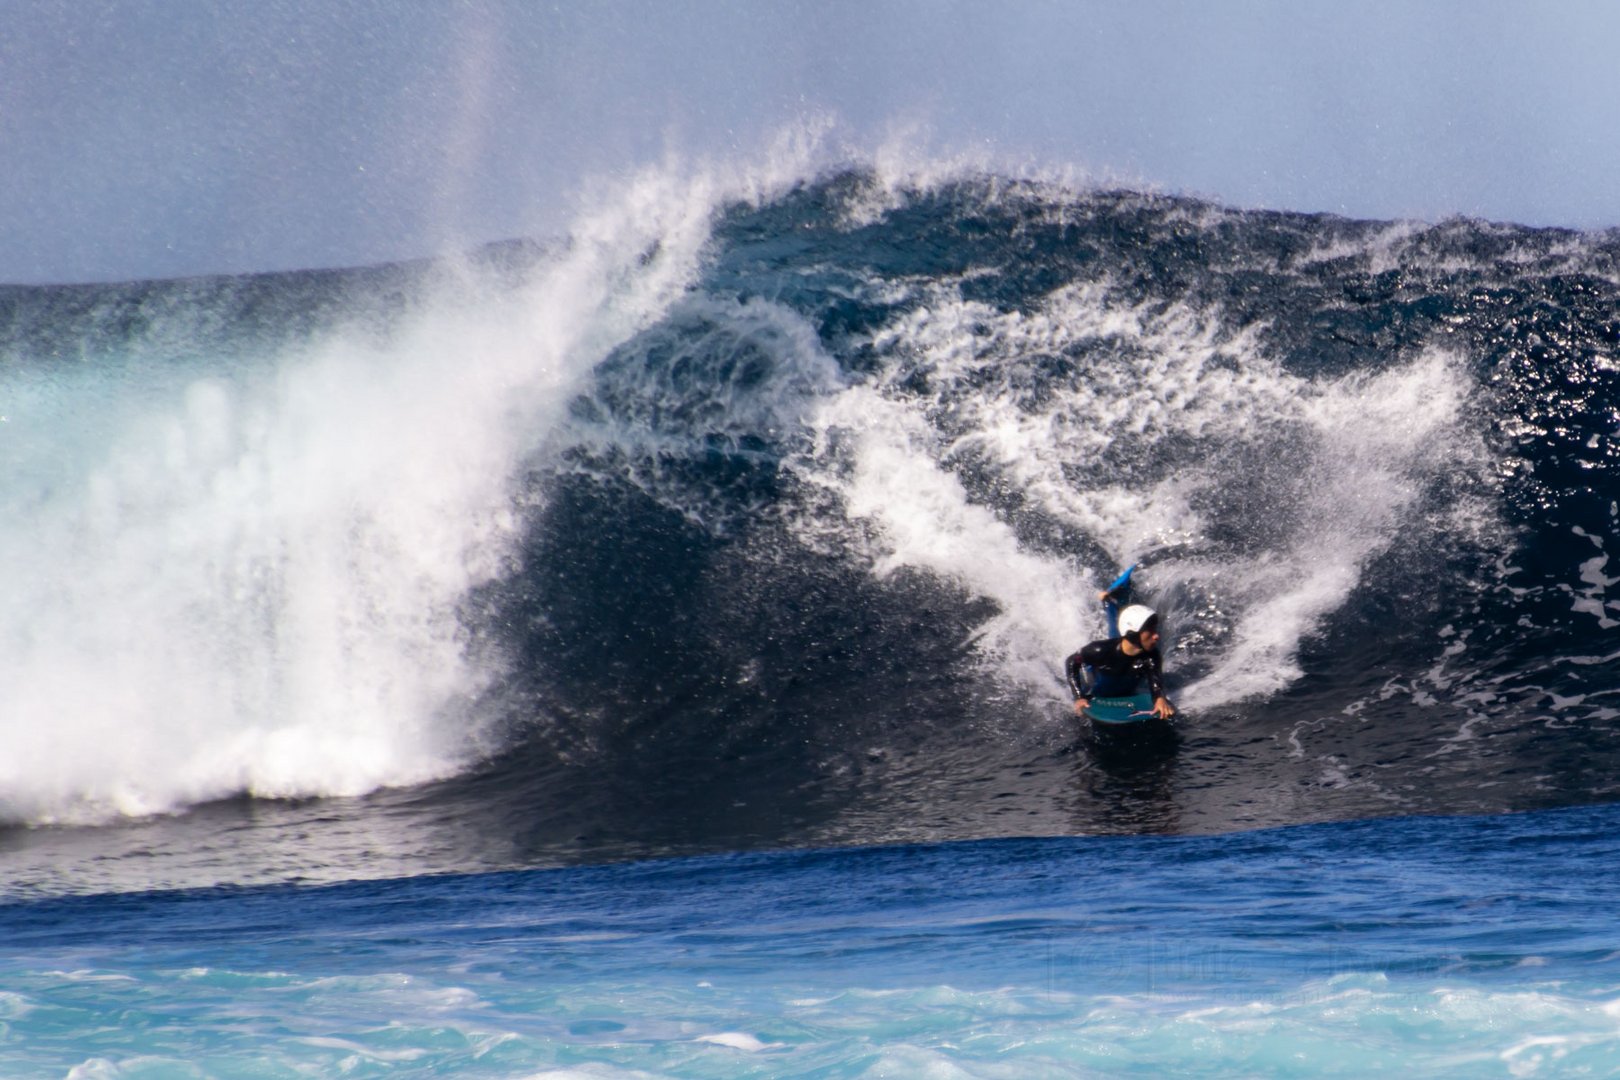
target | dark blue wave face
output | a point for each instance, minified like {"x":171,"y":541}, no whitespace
{"x":1395,"y":499}
{"x":802,"y":563}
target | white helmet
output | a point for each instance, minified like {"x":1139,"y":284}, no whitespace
{"x":1134,"y":619}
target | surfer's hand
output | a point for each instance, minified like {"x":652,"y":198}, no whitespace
{"x":1103,"y":597}
{"x":1163,"y":709}
{"x":1080,"y":706}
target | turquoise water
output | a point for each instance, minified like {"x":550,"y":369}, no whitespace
{"x":1448,"y":947}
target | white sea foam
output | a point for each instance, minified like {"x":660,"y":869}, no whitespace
{"x":736,"y":1040}
{"x":242,"y":573}
{"x":1350,"y":460}
{"x":1361,"y":1024}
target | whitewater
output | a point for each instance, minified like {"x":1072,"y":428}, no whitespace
{"x":639,"y":652}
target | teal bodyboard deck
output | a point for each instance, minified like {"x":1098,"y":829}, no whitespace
{"x":1121,"y":710}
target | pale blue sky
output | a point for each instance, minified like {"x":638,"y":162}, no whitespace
{"x":167,"y":137}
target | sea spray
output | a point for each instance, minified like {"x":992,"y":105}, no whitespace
{"x":242,"y":572}
{"x":764,"y":511}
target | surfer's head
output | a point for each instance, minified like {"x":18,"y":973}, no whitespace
{"x":1137,"y":621}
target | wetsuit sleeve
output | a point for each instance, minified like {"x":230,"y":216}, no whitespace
{"x":1092,"y":655}
{"x":1156,"y":674}
{"x":1077,"y":678}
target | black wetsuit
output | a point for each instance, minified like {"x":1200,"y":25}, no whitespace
{"x":1113,"y":673}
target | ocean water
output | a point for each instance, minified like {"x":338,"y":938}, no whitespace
{"x":1418,"y":946}
{"x":639,"y":653}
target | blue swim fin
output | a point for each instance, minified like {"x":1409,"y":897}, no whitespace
{"x":1120,"y":590}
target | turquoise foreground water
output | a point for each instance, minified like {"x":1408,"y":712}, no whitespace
{"x":1425,"y":946}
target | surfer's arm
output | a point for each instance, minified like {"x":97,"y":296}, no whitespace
{"x":1161,"y":704}
{"x":1156,"y":677}
{"x":1074,"y":668}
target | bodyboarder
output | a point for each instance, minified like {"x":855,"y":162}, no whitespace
{"x":1116,"y":666}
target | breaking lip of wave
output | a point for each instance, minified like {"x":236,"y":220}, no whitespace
{"x":244,"y":571}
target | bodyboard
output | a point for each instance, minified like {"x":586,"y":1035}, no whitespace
{"x":1121,"y":710}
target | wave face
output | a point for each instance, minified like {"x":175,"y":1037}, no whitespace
{"x":769,"y":520}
